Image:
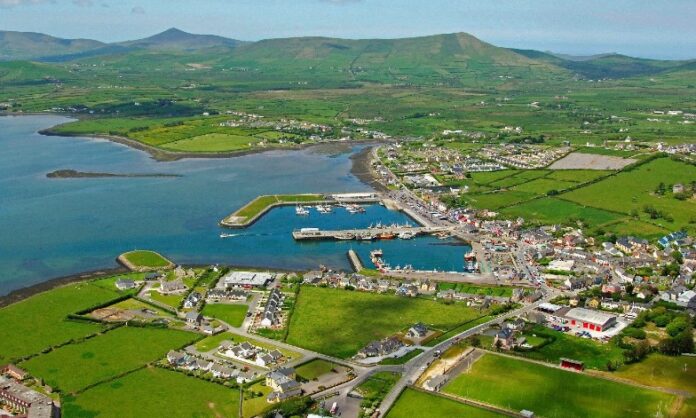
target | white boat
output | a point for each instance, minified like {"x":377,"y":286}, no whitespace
{"x":406,"y":235}
{"x":301,"y":210}
{"x":224,"y":235}
{"x":324,"y":209}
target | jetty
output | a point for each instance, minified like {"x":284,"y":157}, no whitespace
{"x":368,"y":234}
{"x":354,"y":260}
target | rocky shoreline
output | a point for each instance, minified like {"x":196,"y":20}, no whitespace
{"x":362,"y":169}
{"x":72,"y":174}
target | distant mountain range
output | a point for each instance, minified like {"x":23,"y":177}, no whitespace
{"x":451,"y":53}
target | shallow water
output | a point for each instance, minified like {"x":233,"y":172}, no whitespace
{"x":57,"y":227}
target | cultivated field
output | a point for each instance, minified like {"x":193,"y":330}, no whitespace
{"x":150,"y":392}
{"x":340,"y":322}
{"x":551,"y":392}
{"x":75,"y":366}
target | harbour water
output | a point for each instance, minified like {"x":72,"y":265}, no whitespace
{"x":56,"y":227}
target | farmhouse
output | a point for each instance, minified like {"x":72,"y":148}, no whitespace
{"x":590,"y":319}
{"x":125,"y":284}
{"x":246,"y":279}
{"x":27,"y":402}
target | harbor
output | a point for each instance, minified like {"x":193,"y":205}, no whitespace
{"x":370,"y":234}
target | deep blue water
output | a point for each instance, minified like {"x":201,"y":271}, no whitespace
{"x":56,"y":227}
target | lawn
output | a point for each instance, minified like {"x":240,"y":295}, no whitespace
{"x":173,"y":300}
{"x":232,"y":314}
{"x":663,"y":371}
{"x":29,"y":326}
{"x":413,"y":403}
{"x":403,"y":359}
{"x":75,"y":366}
{"x":595,"y":355}
{"x":213,"y":142}
{"x":340,"y":322}
{"x":550,"y":392}
{"x":153,"y":392}
{"x":314,"y":369}
{"x":146,"y":259}
{"x":377,"y":386}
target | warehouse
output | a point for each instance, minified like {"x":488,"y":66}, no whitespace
{"x":590,"y":319}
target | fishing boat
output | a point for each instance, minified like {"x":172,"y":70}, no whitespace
{"x":345,"y":236}
{"x":406,"y":235}
{"x":365,"y":237}
{"x":470,"y":256}
{"x":301,"y":210}
{"x":224,"y":235}
{"x":353,"y":209}
{"x":324,"y":209}
{"x":378,"y":253}
{"x":386,"y":235}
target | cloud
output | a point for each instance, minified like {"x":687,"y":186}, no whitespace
{"x":83,"y":3}
{"x":137,"y":10}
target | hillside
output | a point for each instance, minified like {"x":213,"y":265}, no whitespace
{"x":178,"y":40}
{"x":34,"y":46}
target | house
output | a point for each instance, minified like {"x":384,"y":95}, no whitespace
{"x":381,"y":348}
{"x":271,"y":313}
{"x":264,"y":360}
{"x":173,"y":286}
{"x":417,"y":331}
{"x":222,"y":372}
{"x":434,"y":384}
{"x":192,"y":300}
{"x":516,"y":324}
{"x":282,"y":382}
{"x":175,"y":358}
{"x":125,"y":284}
{"x":505,"y":339}
{"x":194,"y":318}
{"x":24,"y":401}
{"x":407,"y":290}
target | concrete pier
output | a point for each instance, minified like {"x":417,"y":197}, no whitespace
{"x":355,"y":261}
{"x":368,"y":234}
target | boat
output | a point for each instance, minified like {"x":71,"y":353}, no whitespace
{"x":365,"y":237}
{"x":406,"y":235}
{"x":353,"y":209}
{"x":301,"y":210}
{"x":378,"y":253}
{"x":442,"y":235}
{"x":470,"y":256}
{"x":224,"y":235}
{"x":345,"y":236}
{"x":386,"y":235}
{"x":324,"y":209}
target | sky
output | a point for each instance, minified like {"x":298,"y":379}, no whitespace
{"x":663,"y":29}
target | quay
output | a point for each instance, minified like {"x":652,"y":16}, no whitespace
{"x":355,"y":262}
{"x":368,"y":234}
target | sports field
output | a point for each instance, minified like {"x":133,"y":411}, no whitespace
{"x":551,"y":392}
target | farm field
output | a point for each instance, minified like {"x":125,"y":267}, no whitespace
{"x":29,"y":326}
{"x":339,"y":322}
{"x":437,"y":407}
{"x":595,"y":355}
{"x":549,"y":210}
{"x":501,"y":291}
{"x":105,"y":356}
{"x":497,"y":200}
{"x":634,"y":189}
{"x":233,"y":313}
{"x":579,"y":160}
{"x":517,"y":385}
{"x":150,"y":391}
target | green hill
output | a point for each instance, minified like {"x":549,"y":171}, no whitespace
{"x":32,"y":46}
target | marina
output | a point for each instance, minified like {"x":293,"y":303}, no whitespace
{"x":368,"y":234}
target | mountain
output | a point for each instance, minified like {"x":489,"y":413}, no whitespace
{"x":178,"y":40}
{"x":605,"y":65}
{"x":33,"y":46}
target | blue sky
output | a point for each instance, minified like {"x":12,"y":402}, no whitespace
{"x":657,"y":28}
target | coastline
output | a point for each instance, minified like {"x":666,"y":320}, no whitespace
{"x":362,"y":169}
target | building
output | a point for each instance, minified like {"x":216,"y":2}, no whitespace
{"x":26,"y":402}
{"x":417,"y":331}
{"x":125,"y":284}
{"x":246,"y":279}
{"x":13,"y":371}
{"x":380,"y":348}
{"x":273,"y":308}
{"x":282,"y":382}
{"x":590,"y":319}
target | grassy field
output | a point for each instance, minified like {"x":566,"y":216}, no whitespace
{"x":212,"y":143}
{"x":549,"y":210}
{"x":377,"y":386}
{"x":339,"y":322}
{"x":29,"y":326}
{"x":232,"y":314}
{"x":413,"y":403}
{"x":633,"y":190}
{"x":501,"y":291}
{"x":550,"y":392}
{"x":149,"y":393}
{"x":663,"y":371}
{"x":314,"y":369}
{"x":259,"y":204}
{"x":170,"y":300}
{"x":595,"y":355}
{"x":146,"y":259}
{"x":76,"y":366}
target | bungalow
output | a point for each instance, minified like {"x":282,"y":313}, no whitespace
{"x":222,"y":372}
{"x":125,"y":284}
{"x":172,"y":286}
{"x":380,"y":348}
{"x":192,"y":300}
{"x":194,"y":318}
{"x":417,"y":331}
{"x":264,"y":360}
